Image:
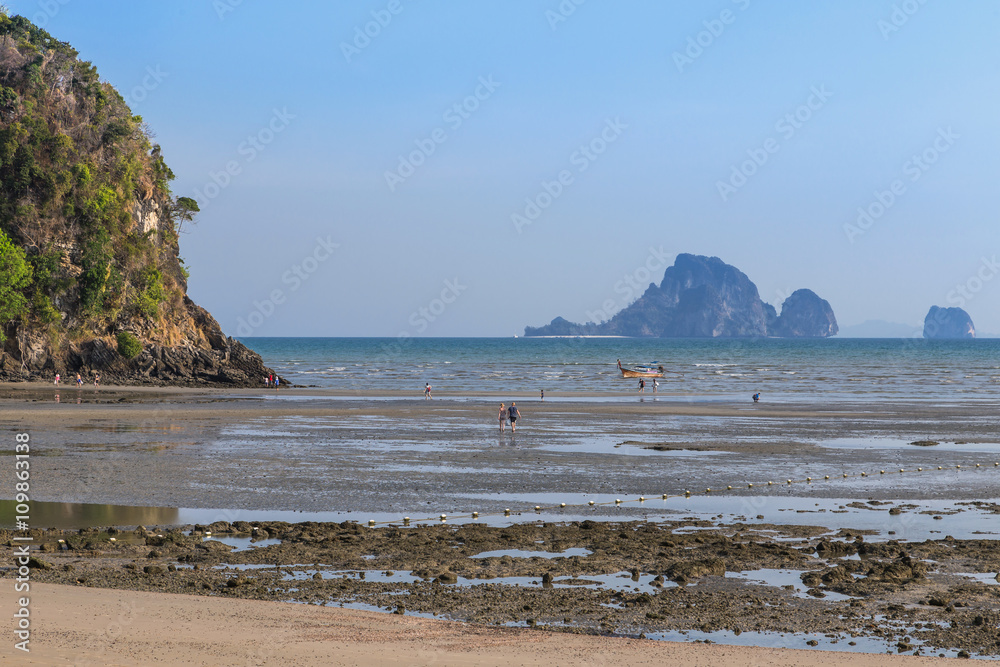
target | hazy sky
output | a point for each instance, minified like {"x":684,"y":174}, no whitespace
{"x":452,"y":169}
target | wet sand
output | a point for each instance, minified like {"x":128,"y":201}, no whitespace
{"x":392,"y":455}
{"x":258,"y":451}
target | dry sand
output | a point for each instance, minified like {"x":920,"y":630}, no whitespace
{"x":109,"y":627}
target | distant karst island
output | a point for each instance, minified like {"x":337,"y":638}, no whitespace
{"x":948,"y":323}
{"x":703,"y":297}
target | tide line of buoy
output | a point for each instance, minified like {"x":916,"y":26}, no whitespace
{"x":618,"y":502}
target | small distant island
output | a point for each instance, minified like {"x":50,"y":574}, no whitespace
{"x":948,"y":323}
{"x":703,"y":297}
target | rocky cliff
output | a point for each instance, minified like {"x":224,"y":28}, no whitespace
{"x":948,"y":323}
{"x":804,"y":315}
{"x":703,"y":297}
{"x":90,"y":276}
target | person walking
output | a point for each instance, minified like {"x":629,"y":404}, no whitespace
{"x":513,"y":414}
{"x":79,"y":380}
{"x":277,"y":382}
{"x":642,"y":385}
{"x":57,"y":378}
{"x":427,"y":391}
{"x":502,"y":417}
{"x":97,"y":380}
{"x":655,"y":385}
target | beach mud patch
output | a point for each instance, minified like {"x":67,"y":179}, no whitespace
{"x":667,"y":446}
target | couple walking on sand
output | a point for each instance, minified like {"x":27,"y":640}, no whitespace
{"x":510,"y":413}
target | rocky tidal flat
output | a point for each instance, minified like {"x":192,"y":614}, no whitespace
{"x":882,"y":541}
{"x":633,"y":578}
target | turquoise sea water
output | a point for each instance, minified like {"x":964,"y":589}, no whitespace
{"x":834,"y":369}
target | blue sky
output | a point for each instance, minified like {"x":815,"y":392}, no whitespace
{"x":344,"y":192}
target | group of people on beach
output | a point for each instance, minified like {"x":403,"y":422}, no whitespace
{"x":79,"y":379}
{"x":642,"y":385}
{"x":272,"y":380}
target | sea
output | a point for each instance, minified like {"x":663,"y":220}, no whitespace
{"x":830,"y":369}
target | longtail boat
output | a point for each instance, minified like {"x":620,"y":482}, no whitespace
{"x":640,"y":371}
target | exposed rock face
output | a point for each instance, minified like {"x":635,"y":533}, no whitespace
{"x":699,"y":297}
{"x":948,"y":323}
{"x":703,"y":297}
{"x":804,"y":315}
{"x":216,"y":360}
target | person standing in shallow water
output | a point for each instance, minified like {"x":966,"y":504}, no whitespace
{"x":642,"y":386}
{"x":513,"y":414}
{"x":427,"y":391}
{"x":503,"y":417}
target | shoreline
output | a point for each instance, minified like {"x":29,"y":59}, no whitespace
{"x":18,"y":392}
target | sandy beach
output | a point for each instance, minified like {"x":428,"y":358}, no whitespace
{"x":95,"y":626}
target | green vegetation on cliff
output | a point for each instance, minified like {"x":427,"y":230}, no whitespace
{"x":84,"y":198}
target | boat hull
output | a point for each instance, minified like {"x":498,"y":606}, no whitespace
{"x":629,"y":373}
{"x":641,"y":372}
